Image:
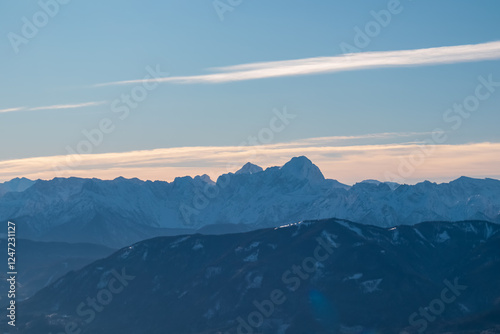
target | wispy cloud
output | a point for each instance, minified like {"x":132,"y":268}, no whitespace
{"x":69,"y":106}
{"x":350,"y":62}
{"x":12,"y":109}
{"x":347,"y":163}
{"x":55,"y":107}
{"x":349,"y":140}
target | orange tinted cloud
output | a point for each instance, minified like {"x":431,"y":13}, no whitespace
{"x":348,"y":163}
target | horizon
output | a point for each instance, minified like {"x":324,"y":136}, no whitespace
{"x":214,"y":178}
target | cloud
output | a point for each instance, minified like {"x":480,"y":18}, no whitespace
{"x":350,"y":62}
{"x":12,"y":109}
{"x":55,"y":107}
{"x":345,"y":140}
{"x":346,"y":163}
{"x":69,"y":106}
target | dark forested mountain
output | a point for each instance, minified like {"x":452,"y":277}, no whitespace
{"x":328,"y":276}
{"x":42,"y":263}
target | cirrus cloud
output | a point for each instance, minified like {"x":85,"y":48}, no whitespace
{"x":349,"y":62}
{"x":55,"y":107}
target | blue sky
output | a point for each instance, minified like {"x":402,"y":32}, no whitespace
{"x":89,"y":42}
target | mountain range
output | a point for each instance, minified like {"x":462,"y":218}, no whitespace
{"x":119,"y":212}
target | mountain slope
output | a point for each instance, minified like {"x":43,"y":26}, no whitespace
{"x":15,"y":185}
{"x":42,"y":263}
{"x":329,"y":276}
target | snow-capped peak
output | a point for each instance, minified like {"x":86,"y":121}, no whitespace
{"x":204,"y":178}
{"x":249,"y":168}
{"x":302,"y":168}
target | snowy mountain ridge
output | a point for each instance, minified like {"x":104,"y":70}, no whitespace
{"x":120,"y":211}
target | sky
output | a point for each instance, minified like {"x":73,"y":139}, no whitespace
{"x":392,"y":90}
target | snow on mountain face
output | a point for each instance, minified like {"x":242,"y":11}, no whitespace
{"x":122,"y":211}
